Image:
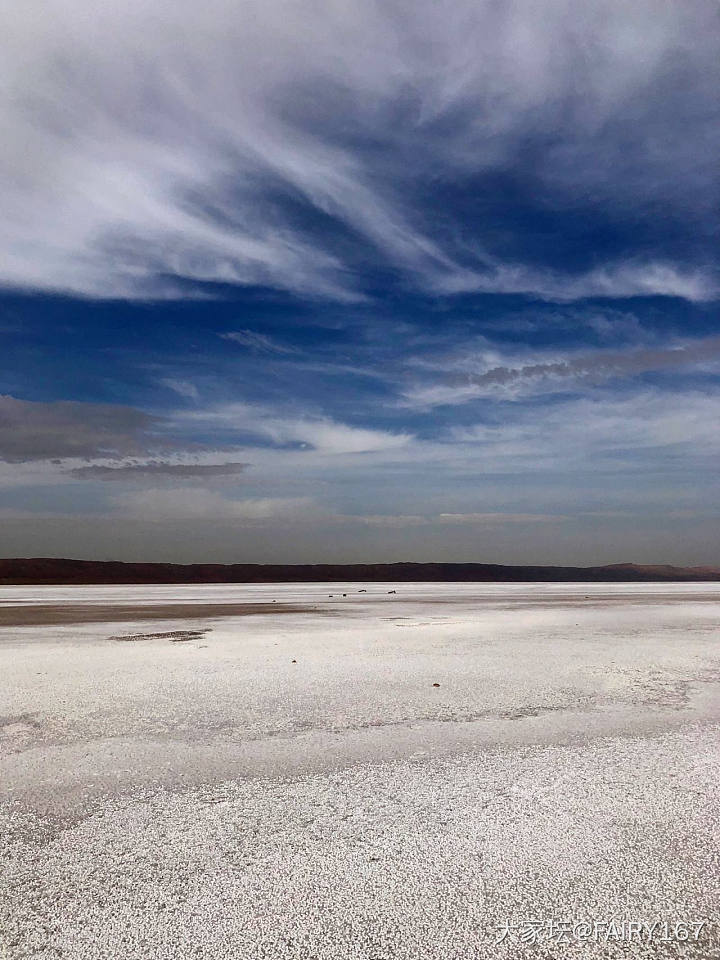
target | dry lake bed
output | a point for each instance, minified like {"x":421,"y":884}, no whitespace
{"x":335,"y":771}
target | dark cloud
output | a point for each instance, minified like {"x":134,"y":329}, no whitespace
{"x":602,"y":365}
{"x":157,"y":470}
{"x":42,"y":431}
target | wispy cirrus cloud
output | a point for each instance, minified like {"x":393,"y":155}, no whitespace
{"x":168,"y":144}
{"x":613,"y":280}
{"x":471,"y":375}
{"x":642,"y":432}
{"x":259,"y":342}
{"x":184,"y":388}
{"x":283,"y":427}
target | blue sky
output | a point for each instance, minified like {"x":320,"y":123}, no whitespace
{"x":351,"y":281}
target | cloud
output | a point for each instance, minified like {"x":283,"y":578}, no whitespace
{"x":38,"y":431}
{"x":526,"y":376}
{"x":191,"y":504}
{"x":613,"y":280}
{"x":157,"y":470}
{"x":256,"y":341}
{"x":491,"y":518}
{"x":319,"y":433}
{"x":384,"y":520}
{"x":440,"y":519}
{"x":645,"y":432}
{"x":520,"y":471}
{"x":182,"y":387}
{"x":70,"y":430}
{"x":294,"y":145}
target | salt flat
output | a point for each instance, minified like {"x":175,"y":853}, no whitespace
{"x":359,"y":774}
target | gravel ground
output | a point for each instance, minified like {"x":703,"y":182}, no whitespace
{"x":449,"y":772}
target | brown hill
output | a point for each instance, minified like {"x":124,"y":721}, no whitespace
{"x":59,"y":571}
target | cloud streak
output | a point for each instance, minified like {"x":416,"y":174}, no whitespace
{"x":527,"y":377}
{"x":182,"y":388}
{"x":282,"y":428}
{"x":643,"y":432}
{"x":159,"y":504}
{"x":259,"y":342}
{"x":449,"y":519}
{"x":168,"y":144}
{"x":159,"y":470}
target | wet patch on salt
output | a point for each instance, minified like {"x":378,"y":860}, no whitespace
{"x":174,"y":636}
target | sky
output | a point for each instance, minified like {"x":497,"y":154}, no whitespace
{"x":357,"y":281}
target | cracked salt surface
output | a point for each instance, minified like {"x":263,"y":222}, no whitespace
{"x":215,"y":799}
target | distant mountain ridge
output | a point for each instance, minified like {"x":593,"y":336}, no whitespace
{"x":42,"y":570}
